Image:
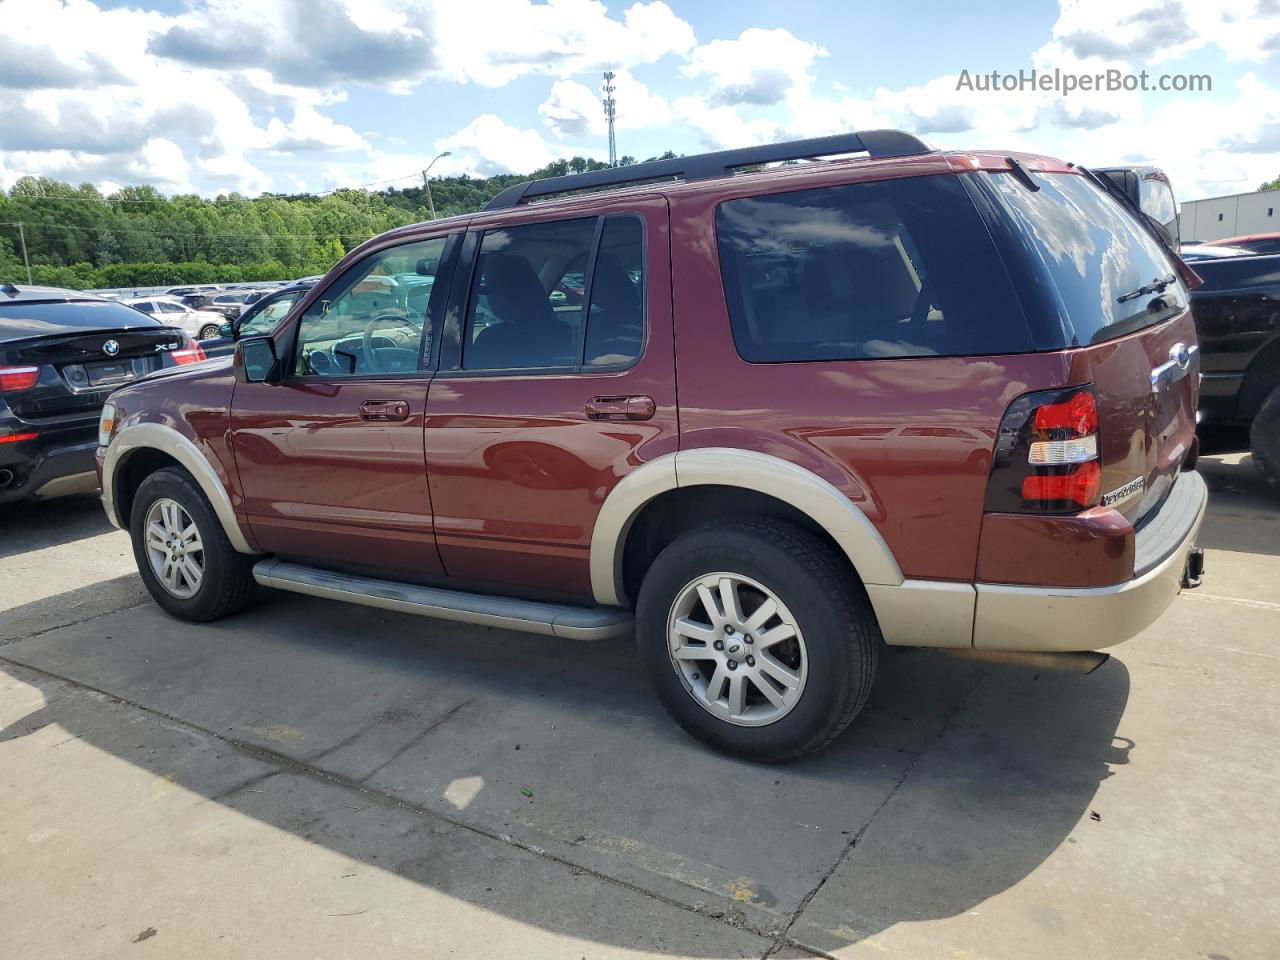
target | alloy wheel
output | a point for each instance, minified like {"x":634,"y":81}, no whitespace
{"x":737,"y":649}
{"x":174,"y":548}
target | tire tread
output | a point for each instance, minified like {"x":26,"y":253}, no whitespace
{"x":851,"y":607}
{"x":234,"y":590}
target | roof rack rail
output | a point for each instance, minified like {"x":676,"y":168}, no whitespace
{"x":704,"y":166}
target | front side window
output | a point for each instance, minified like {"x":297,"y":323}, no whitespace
{"x":895,"y":268}
{"x":375,"y":318}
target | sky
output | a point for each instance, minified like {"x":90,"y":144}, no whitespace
{"x":215,"y":96}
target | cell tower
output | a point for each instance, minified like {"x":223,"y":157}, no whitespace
{"x":610,"y":114}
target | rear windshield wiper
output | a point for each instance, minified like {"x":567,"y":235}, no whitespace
{"x":1192,"y":279}
{"x":1155,"y":286}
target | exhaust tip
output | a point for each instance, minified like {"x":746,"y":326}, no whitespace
{"x":6,"y":478}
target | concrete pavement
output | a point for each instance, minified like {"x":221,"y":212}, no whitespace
{"x":310,"y":778}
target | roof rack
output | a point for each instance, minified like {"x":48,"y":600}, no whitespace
{"x":704,"y":166}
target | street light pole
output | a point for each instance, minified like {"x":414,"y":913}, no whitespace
{"x":427,"y":183}
{"x":22,"y":236}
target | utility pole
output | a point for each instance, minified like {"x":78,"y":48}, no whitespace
{"x":22,"y":236}
{"x":610,"y":114}
{"x":426,"y":182}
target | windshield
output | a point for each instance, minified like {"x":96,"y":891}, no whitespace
{"x":1102,"y":273}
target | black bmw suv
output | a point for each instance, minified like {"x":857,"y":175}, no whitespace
{"x":61,"y":354}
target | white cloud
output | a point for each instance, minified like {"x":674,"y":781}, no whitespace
{"x":311,"y":130}
{"x":234,"y":172}
{"x":1155,"y":31}
{"x":575,"y":110}
{"x":492,"y":42}
{"x":488,"y":146}
{"x":158,"y":162}
{"x":395,"y":44}
{"x":760,"y":68}
{"x":721,"y":127}
{"x":572,"y":110}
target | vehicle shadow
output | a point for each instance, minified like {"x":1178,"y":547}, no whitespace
{"x":958,"y":780}
{"x":31,"y":525}
{"x":1246,"y":511}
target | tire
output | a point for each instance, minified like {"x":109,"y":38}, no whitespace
{"x":838,"y":642}
{"x":208,"y":331}
{"x":226,"y":582}
{"x":1264,"y":440}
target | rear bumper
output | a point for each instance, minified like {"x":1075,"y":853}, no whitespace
{"x":1087,"y":618}
{"x":53,"y":471}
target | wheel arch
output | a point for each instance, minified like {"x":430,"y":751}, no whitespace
{"x":754,"y":482}
{"x":140,"y":449}
{"x":1261,"y":376}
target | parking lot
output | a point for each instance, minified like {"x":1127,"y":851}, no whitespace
{"x":311,"y":778}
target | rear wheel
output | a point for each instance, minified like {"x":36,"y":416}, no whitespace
{"x":1264,"y":439}
{"x":208,"y":331}
{"x":757,"y":639}
{"x":182,"y":552}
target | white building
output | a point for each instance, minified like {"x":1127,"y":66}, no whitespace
{"x":1233,"y":216}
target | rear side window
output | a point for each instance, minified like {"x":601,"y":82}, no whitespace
{"x":1104,"y":273}
{"x":897,"y":268}
{"x":566,"y":294}
{"x":520,"y":317}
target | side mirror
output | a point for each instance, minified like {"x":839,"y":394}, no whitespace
{"x":255,"y":361}
{"x":227,"y":330}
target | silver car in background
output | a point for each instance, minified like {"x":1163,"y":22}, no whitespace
{"x":201,"y":324}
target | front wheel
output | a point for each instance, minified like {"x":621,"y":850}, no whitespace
{"x":757,"y":638}
{"x":208,"y":331}
{"x":182,"y":552}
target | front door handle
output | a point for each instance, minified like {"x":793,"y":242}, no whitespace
{"x":621,"y":408}
{"x":384,"y":410}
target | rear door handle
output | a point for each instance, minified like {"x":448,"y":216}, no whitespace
{"x":621,"y":408}
{"x":384,"y":410}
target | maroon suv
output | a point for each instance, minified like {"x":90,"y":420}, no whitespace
{"x":914,"y":397}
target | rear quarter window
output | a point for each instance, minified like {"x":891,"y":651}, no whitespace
{"x":1086,"y":257}
{"x":897,"y":268}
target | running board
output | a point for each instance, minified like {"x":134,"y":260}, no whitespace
{"x":529,"y":616}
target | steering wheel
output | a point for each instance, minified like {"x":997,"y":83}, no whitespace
{"x":366,"y":343}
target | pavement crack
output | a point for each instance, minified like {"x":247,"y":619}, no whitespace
{"x":444,"y":717}
{"x":784,"y":938}
{"x":287,"y":764}
{"x":73,"y":623}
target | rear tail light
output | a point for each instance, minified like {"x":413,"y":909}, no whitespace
{"x":17,"y":379}
{"x":17,"y":437}
{"x":191,"y":353}
{"x":1046,"y":458}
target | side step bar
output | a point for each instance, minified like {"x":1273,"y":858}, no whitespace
{"x":548,"y":619}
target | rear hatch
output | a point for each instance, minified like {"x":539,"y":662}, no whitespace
{"x":80,"y":350}
{"x":1100,"y":286}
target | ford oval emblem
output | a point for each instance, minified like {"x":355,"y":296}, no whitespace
{"x":1180,"y":355}
{"x":111,"y":348}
